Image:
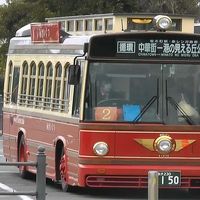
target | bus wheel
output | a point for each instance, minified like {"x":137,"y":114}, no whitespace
{"x":63,"y":177}
{"x":22,"y":158}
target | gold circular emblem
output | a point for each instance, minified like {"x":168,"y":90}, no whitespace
{"x":164,"y":144}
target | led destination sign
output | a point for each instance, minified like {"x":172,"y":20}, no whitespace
{"x":160,"y":48}
{"x":145,"y":46}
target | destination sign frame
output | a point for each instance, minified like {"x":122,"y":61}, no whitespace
{"x":153,"y":46}
{"x":45,"y":32}
{"x":165,"y":48}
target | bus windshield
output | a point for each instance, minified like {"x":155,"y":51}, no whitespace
{"x":143,"y":93}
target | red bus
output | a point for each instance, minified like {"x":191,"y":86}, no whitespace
{"x":107,"y":108}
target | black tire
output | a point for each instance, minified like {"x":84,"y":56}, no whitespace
{"x":64,"y":185}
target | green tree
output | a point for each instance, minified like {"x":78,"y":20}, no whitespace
{"x":170,"y":6}
{"x":127,"y":6}
{"x":13,"y":16}
{"x":18,"y":13}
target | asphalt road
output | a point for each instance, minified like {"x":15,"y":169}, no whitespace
{"x":11,"y":181}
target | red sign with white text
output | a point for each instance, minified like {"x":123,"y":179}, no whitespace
{"x":45,"y":33}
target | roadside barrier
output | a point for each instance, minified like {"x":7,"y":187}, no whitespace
{"x":1,"y":113}
{"x":40,"y":164}
{"x":153,"y":185}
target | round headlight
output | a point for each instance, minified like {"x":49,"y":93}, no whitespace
{"x":162,"y":22}
{"x":100,"y":148}
{"x":164,"y":144}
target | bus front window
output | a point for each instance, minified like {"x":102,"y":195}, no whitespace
{"x":142,"y":93}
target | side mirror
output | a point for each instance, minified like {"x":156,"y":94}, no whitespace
{"x":74,"y":73}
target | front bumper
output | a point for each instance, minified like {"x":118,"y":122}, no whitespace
{"x":126,"y":176}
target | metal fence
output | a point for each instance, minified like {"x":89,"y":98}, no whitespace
{"x":40,"y":164}
{"x":1,"y":114}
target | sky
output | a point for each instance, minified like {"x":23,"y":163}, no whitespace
{"x":2,"y":2}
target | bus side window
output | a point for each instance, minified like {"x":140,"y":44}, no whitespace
{"x":66,"y":91}
{"x":15,"y":85}
{"x":77,"y":93}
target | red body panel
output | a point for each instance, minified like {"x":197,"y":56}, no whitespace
{"x":38,"y":132}
{"x":129,"y":161}
{"x":131,"y":154}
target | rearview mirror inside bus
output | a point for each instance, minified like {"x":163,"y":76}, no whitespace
{"x":74,"y":74}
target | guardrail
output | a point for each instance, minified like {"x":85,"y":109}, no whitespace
{"x":1,"y":114}
{"x":40,"y":175}
{"x":153,"y":185}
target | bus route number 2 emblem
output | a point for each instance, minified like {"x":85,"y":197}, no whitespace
{"x":106,"y":113}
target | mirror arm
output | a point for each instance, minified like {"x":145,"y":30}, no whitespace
{"x":85,"y":50}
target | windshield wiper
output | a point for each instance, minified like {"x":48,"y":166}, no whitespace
{"x":148,"y":104}
{"x":176,"y":105}
{"x":145,"y":108}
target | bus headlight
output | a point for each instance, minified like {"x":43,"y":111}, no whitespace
{"x":162,"y":22}
{"x":164,"y":144}
{"x":100,"y":148}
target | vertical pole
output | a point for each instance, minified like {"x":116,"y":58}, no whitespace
{"x":153,"y":185}
{"x":41,"y":174}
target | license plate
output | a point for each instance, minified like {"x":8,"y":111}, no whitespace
{"x":169,"y":178}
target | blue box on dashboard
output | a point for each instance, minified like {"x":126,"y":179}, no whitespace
{"x":130,"y":112}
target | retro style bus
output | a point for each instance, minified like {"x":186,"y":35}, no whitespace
{"x":107,"y":108}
